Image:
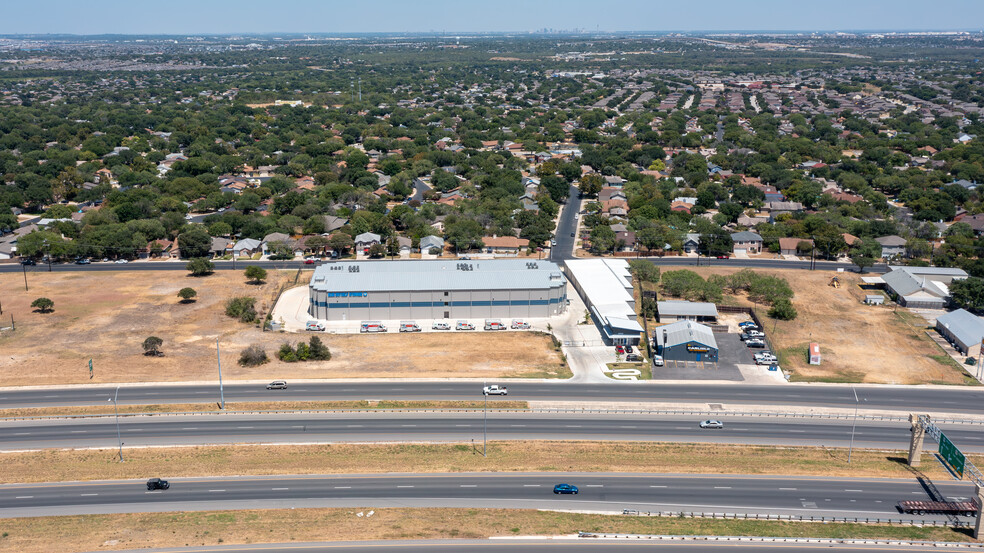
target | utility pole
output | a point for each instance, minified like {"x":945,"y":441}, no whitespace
{"x":360,"y":89}
{"x":116,"y":407}
{"x":218,"y":356}
{"x":485,"y":427}
{"x":25,"y":276}
{"x":47,"y":254}
{"x":854,"y":425}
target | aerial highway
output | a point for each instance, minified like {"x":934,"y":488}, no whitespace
{"x":797,"y":496}
{"x":385,"y":426}
{"x":956,"y":400}
{"x":534,"y":545}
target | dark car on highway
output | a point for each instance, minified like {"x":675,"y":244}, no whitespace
{"x":157,"y":484}
{"x":565,"y":488}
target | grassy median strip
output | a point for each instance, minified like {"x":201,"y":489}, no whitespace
{"x":259,"y":406}
{"x":520,"y":456}
{"x":131,"y":531}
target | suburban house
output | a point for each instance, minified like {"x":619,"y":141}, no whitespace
{"x":221,"y":246}
{"x":891,"y":246}
{"x":790,"y":246}
{"x":428,"y":243}
{"x":976,"y":222}
{"x":504,"y":244}
{"x":365,"y":240}
{"x":275,"y":238}
{"x":921,"y":287}
{"x":161,"y":249}
{"x":333,"y":223}
{"x":691,"y":242}
{"x":778,"y":208}
{"x":247,"y":247}
{"x":628,"y":240}
{"x":746,"y":242}
{"x":405,"y":243}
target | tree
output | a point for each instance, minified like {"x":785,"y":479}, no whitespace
{"x":862,"y":260}
{"x":152,"y":346}
{"x":783,"y":310}
{"x":187,"y":295}
{"x":255,"y":274}
{"x":242,"y":308}
{"x":602,"y":239}
{"x":716,"y":242}
{"x":341,"y":242}
{"x":377,"y":250}
{"x":591,"y":184}
{"x":644,"y":271}
{"x":968,"y":293}
{"x":194,"y":242}
{"x":43,"y":305}
{"x":253,"y":356}
{"x":650,"y":238}
{"x":317,"y":350}
{"x":200,"y":266}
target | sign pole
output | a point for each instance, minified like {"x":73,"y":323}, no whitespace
{"x":854,"y":425}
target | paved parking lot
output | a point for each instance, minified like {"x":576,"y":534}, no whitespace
{"x":731,"y":353}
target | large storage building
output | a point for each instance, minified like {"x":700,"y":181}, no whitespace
{"x":963,"y":329}
{"x":606,"y":286}
{"x":404,"y":290}
{"x":686,"y":341}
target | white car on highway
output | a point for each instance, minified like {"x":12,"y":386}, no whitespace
{"x":711,"y":424}
{"x":495,"y":390}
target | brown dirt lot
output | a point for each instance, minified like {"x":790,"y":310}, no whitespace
{"x":106,"y":316}
{"x":858,"y":343}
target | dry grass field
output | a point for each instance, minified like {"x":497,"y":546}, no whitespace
{"x":105,"y":316}
{"x":858,"y":343}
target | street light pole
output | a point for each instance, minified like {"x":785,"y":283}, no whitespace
{"x":221,"y":391}
{"x":485,"y":426}
{"x":854,"y":425}
{"x":116,"y":407}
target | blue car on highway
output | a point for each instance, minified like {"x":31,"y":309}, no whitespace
{"x":565,"y":488}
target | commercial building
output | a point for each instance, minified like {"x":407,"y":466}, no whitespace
{"x":920,"y":287}
{"x":963,"y":330}
{"x":670,"y":311}
{"x":451,"y":289}
{"x":606,"y":287}
{"x":686,"y":341}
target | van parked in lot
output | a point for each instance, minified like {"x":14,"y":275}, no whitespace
{"x":464,"y":325}
{"x":441,"y":325}
{"x":494,"y":324}
{"x":314,"y":325}
{"x":409,"y":326}
{"x":519,"y":324}
{"x":372,"y":326}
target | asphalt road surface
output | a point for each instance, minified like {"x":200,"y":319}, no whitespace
{"x":821,"y":496}
{"x":954,"y":400}
{"x":455,"y":427}
{"x":567,"y":225}
{"x":585,"y":545}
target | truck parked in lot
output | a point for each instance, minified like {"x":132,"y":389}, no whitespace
{"x":464,"y":325}
{"x":314,"y":326}
{"x":519,"y":324}
{"x":441,"y":325}
{"x":409,"y":326}
{"x":494,"y":324}
{"x":372,"y":326}
{"x":966,"y":508}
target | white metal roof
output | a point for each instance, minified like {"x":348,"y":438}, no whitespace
{"x":606,"y":283}
{"x":418,"y":275}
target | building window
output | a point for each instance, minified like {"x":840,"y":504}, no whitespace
{"x":445,"y":294}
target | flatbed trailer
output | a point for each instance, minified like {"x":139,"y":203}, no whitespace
{"x":967,"y":508}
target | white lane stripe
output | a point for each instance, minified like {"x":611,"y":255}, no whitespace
{"x":245,"y":427}
{"x":279,"y":489}
{"x":89,"y":494}
{"x":24,"y":497}
{"x":594,"y":486}
{"x":343,"y":487}
{"x":854,"y":491}
{"x":469,"y":486}
{"x":216,"y":490}
{"x":404,"y":486}
{"x":788,"y":489}
{"x":722,"y":487}
{"x":657,"y":486}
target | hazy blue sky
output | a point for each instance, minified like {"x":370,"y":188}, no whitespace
{"x":279,"y":16}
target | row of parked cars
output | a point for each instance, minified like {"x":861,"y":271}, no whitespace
{"x":755,"y":338}
{"x":412,"y":326}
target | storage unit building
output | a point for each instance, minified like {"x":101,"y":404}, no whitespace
{"x":670,"y":311}
{"x":963,"y":330}
{"x":685,"y":341}
{"x":452,"y":289}
{"x":606,"y":287}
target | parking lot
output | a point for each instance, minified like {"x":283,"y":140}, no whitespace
{"x":732,"y":352}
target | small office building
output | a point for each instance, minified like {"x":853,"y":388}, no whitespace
{"x":686,"y":341}
{"x":672,"y":311}
{"x":963,"y":330}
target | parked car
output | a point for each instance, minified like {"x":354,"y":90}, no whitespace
{"x":619,"y":350}
{"x":464,"y":325}
{"x":633,"y":358}
{"x":722,"y":257}
{"x":553,"y":242}
{"x":158,"y":484}
{"x":572,"y":235}
{"x":83,"y":261}
{"x":120,"y":261}
{"x":711,"y":424}
{"x":744,"y":324}
{"x":658,"y":360}
{"x":565,"y":488}
{"x":440,"y":325}
{"x":756,"y":333}
{"x":28,"y":261}
{"x":753,"y":343}
{"x":744,"y":337}
{"x":628,"y":349}
{"x":519,"y":324}
{"x":495,"y":390}
{"x":277,"y":385}
{"x":309,"y":262}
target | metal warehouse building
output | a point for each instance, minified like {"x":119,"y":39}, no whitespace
{"x":686,"y":341}
{"x":606,"y":286}
{"x":392,"y":290}
{"x":963,"y":329}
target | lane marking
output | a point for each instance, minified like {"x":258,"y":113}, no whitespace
{"x":216,"y":490}
{"x":657,"y":486}
{"x":79,"y":431}
{"x":190,"y":428}
{"x":854,"y":491}
{"x":469,"y":486}
{"x":24,"y":497}
{"x":89,"y":494}
{"x":788,"y":489}
{"x":404,"y":486}
{"x":279,"y":489}
{"x":343,"y":487}
{"x":595,"y":486}
{"x":531,"y":485}
{"x":722,"y":487}
{"x":245,"y":427}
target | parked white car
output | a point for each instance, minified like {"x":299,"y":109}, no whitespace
{"x":440,"y":325}
{"x":658,"y":360}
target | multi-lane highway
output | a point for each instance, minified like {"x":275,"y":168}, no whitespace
{"x":456,"y":427}
{"x":798,"y":496}
{"x":893,"y":398}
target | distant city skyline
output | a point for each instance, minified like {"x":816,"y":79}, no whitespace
{"x":420,"y":16}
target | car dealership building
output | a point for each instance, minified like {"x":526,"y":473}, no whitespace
{"x":444,"y":289}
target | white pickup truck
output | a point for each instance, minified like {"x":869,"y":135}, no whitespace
{"x":495,"y":390}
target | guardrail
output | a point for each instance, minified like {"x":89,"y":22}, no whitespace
{"x":802,"y":518}
{"x":763,"y":539}
{"x":540,"y":411}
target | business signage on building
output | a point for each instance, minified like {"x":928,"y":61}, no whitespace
{"x":697,"y":348}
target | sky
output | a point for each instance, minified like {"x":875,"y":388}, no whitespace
{"x":401,"y":16}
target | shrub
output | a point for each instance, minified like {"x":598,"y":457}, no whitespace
{"x":43,"y":305}
{"x":255,"y":274}
{"x":242,"y":308}
{"x":187,"y":295}
{"x":783,"y":310}
{"x":253,"y":356}
{"x":313,"y":351}
{"x":644,"y":271}
{"x":200,"y":266}
{"x":152,"y":345}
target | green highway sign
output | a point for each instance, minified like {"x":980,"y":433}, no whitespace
{"x":952,"y":455}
